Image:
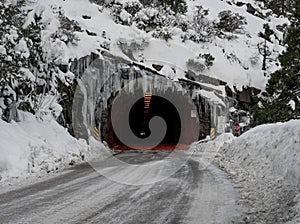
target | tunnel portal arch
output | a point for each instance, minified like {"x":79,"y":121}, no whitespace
{"x":105,"y":80}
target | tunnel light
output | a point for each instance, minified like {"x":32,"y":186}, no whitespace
{"x":147,"y":100}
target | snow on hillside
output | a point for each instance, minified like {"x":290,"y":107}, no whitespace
{"x":237,"y":61}
{"x":265,"y":161}
{"x":35,"y":146}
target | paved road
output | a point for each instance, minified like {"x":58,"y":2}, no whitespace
{"x":194,"y":194}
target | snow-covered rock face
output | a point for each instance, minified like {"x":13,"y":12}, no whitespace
{"x":237,"y":58}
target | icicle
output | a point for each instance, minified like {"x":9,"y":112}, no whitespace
{"x":155,"y":82}
{"x":215,"y":114}
{"x":144,"y":83}
{"x":131,"y":81}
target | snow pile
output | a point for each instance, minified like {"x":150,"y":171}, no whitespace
{"x":265,"y":163}
{"x":207,"y":150}
{"x":270,"y":150}
{"x":35,"y":146}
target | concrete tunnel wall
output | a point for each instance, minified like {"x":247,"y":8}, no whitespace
{"x":91,"y":96}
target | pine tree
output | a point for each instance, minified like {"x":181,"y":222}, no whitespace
{"x":11,"y":21}
{"x":281,"y":101}
{"x":263,"y":47}
{"x":280,"y":7}
{"x":177,"y":6}
{"x":29,"y":74}
{"x":37,"y":63}
{"x":231,"y":22}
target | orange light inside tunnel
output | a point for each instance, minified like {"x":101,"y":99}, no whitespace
{"x":181,"y":130}
{"x":147,"y":100}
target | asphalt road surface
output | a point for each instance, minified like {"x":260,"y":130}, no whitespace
{"x":197,"y":193}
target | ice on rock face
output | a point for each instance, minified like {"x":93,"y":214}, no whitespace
{"x":145,"y":84}
{"x":105,"y":80}
{"x":131,"y":81}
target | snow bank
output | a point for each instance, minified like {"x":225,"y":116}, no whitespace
{"x":207,"y":150}
{"x":265,"y":164}
{"x":270,"y":150}
{"x":34,"y":146}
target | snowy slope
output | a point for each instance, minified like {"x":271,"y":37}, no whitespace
{"x":243,"y":69}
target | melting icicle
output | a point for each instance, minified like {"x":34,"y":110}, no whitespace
{"x":144,"y":83}
{"x":131,"y":80}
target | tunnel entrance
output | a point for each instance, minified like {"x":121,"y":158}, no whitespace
{"x":104,"y":80}
{"x":182,"y":125}
{"x":139,"y":119}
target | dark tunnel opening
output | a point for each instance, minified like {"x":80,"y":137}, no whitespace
{"x":182,"y":128}
{"x":161,"y":107}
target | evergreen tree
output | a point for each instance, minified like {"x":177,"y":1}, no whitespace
{"x":11,"y":21}
{"x":177,"y":6}
{"x":281,"y":101}
{"x":263,"y":47}
{"x":24,"y":66}
{"x":41,"y":68}
{"x":280,"y":7}
{"x":230,"y":22}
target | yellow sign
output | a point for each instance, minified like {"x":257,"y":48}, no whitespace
{"x":212,"y":133}
{"x":96,"y":133}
